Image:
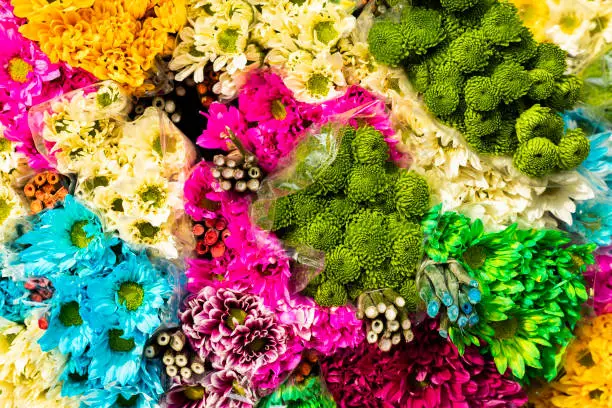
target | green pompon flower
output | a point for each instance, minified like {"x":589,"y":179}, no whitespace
{"x":330,"y":293}
{"x":311,"y":289}
{"x":410,"y":294}
{"x":419,"y":76}
{"x":445,"y":234}
{"x":539,"y":121}
{"x":512,"y":80}
{"x":385,"y":201}
{"x":332,"y":179}
{"x":406,"y":253}
{"x":521,"y":51}
{"x":501,"y":25}
{"x":399,"y":225}
{"x":458,"y":5}
{"x":453,"y":26}
{"x":365,"y":183}
{"x":369,"y":146}
{"x":422,"y":29}
{"x":306,"y":207}
{"x":542,"y":84}
{"x":442,"y":98}
{"x":566,"y":92}
{"x":536,"y":157}
{"x":573,"y":149}
{"x":470,"y":51}
{"x":342,"y":209}
{"x":367,"y":236}
{"x":480,"y":124}
{"x":342,"y":266}
{"x":481,"y":94}
{"x":387,"y":43}
{"x":449,"y":73}
{"x":503,"y":142}
{"x":550,"y":57}
{"x":411,"y":195}
{"x":323,"y":232}
{"x":281,"y":212}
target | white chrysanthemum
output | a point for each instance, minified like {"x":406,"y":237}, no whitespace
{"x":11,"y":208}
{"x":141,"y":232}
{"x":28,"y":376}
{"x":186,"y":59}
{"x":321,"y":30}
{"x":316,"y":79}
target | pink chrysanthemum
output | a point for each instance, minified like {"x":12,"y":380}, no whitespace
{"x":599,"y":277}
{"x":189,"y":396}
{"x":229,"y":388}
{"x":220,"y":118}
{"x":201,"y":192}
{"x":426,"y":373}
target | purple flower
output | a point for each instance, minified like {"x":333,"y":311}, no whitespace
{"x":189,"y":396}
{"x":229,"y":388}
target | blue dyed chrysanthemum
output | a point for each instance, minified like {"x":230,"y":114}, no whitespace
{"x":130,"y":296}
{"x":12,"y":295}
{"x":593,"y":220}
{"x":75,"y":377}
{"x":62,"y":237}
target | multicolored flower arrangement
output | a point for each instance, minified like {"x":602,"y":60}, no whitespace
{"x":305,"y":203}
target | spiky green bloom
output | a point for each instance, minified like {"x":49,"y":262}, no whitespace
{"x":573,"y":149}
{"x":422,"y":29}
{"x":367,"y":236}
{"x":442,"y":98}
{"x":308,"y":394}
{"x":311,"y":289}
{"x":281,"y":212}
{"x":330,"y":293}
{"x":542,"y":84}
{"x":323,"y":232}
{"x":419,"y":76}
{"x":550,"y":57}
{"x":342,"y":266}
{"x":501,"y":24}
{"x":406,"y":253}
{"x":295,"y":236}
{"x":399,"y":226}
{"x":411,"y":195}
{"x":536,"y":157}
{"x":445,"y":234}
{"x":387,"y":43}
{"x":521,"y":51}
{"x":453,"y":26}
{"x":458,"y":5}
{"x":385,"y":201}
{"x":306,"y":207}
{"x":480,"y":124}
{"x":502,"y":142}
{"x":342,"y":209}
{"x":512,"y":80}
{"x":539,"y":121}
{"x":470,"y":51}
{"x":566,"y":92}
{"x":369,"y":146}
{"x":481,"y":94}
{"x":449,"y":73}
{"x":410,"y":294}
{"x":383,"y":276}
{"x":365,"y":183}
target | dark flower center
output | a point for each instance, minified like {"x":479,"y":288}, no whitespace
{"x":318,"y":85}
{"x":152,"y":194}
{"x":505,"y":329}
{"x":595,"y":394}
{"x":117,"y":205}
{"x":194,"y":393}
{"x":131,"y":294}
{"x":78,"y":236}
{"x":117,"y":343}
{"x":278,"y":109}
{"x":146,"y":229}
{"x":238,"y":314}
{"x":18,"y":69}
{"x":257,"y":345}
{"x":586,"y":360}
{"x":76,"y":377}
{"x":69,"y":314}
{"x":123,"y":402}
{"x":475,"y":256}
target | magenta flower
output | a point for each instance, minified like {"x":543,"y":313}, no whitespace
{"x":599,"y":277}
{"x":426,"y":373}
{"x":336,"y":328}
{"x":220,"y":117}
{"x":201,"y":193}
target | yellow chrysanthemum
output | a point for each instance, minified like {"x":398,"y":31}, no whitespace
{"x":535,"y":15}
{"x":26,"y":8}
{"x":587,"y":378}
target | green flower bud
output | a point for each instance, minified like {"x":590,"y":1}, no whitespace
{"x":539,"y":121}
{"x":512,"y":80}
{"x":342,"y":266}
{"x":387,"y":43}
{"x":470,"y":52}
{"x":422,"y":29}
{"x":550,"y":57}
{"x":480,"y":124}
{"x":331,"y":294}
{"x":566,"y":92}
{"x":536,"y":157}
{"x":442,"y":98}
{"x":573,"y":149}
{"x":481,"y":94}
{"x":369,"y":146}
{"x":542,"y":84}
{"x":323,"y":232}
{"x":367,"y":236}
{"x":412,"y":195}
{"x":365,"y":183}
{"x":501,"y":25}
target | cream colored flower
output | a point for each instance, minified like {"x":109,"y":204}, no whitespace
{"x":11,"y":208}
{"x":140,"y":232}
{"x":186,"y":59}
{"x":316,"y":79}
{"x":321,"y":30}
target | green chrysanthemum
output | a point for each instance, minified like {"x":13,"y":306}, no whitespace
{"x":306,"y":207}
{"x":550,"y":57}
{"x":458,"y":5}
{"x":470,"y":51}
{"x":387,"y":43}
{"x":330,"y":293}
{"x":406,"y":253}
{"x":399,"y":225}
{"x":501,"y":25}
{"x":542,"y":84}
{"x":342,"y":266}
{"x":566,"y":92}
{"x":502,"y":142}
{"x":442,"y":98}
{"x":411,"y":195}
{"x":323,"y":232}
{"x":422,"y":29}
{"x":479,"y":124}
{"x":369,"y":146}
{"x":410,"y":294}
{"x":539,"y":121}
{"x":481,"y":94}
{"x":365,"y":183}
{"x":453,"y":26}
{"x":521,"y":51}
{"x":573,"y":149}
{"x":282,"y":213}
{"x":342,"y":209}
{"x":512,"y":80}
{"x":445,"y":234}
{"x":449,"y":73}
{"x":419,"y":76}
{"x":367,"y":236}
{"x":313,"y":285}
{"x":536,"y":157}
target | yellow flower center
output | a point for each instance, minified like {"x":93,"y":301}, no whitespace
{"x":146,"y":229}
{"x":228,"y":40}
{"x":318,"y":85}
{"x":131,"y":294}
{"x":237,"y":314}
{"x":117,"y":343}
{"x":5,"y":144}
{"x":238,"y":389}
{"x":325,"y":31}
{"x":78,"y":236}
{"x":278,"y":109}
{"x":475,"y":256}
{"x":505,"y":329}
{"x":569,"y":22}
{"x":152,"y":194}
{"x":69,"y":314}
{"x":194,"y":393}
{"x":257,"y":345}
{"x":18,"y":70}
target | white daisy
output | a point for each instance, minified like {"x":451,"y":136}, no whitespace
{"x":315,"y":80}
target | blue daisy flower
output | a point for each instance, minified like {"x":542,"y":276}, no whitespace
{"x":144,"y":393}
{"x":116,"y":356}
{"x":593,"y":220}
{"x":69,"y":327}
{"x":131,"y":295}
{"x":12,"y":306}
{"x":62,"y":237}
{"x":75,"y":377}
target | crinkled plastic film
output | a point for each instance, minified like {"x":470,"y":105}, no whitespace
{"x":597,"y":88}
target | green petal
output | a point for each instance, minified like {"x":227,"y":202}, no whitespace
{"x":530,"y":352}
{"x":516,"y":362}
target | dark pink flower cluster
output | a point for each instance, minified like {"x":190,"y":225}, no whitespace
{"x":599,"y":278}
